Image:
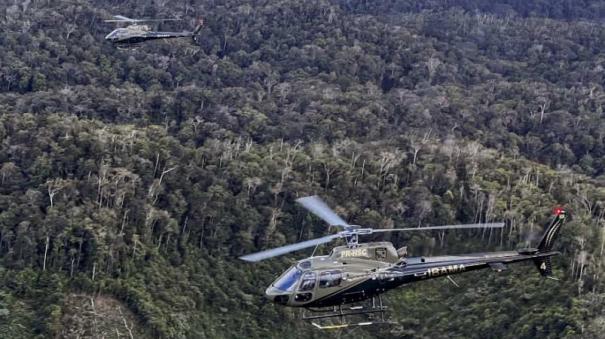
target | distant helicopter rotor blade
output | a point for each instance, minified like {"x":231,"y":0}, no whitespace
{"x":315,"y":205}
{"x":169,"y":19}
{"x":444,"y":227}
{"x":274,"y":252}
{"x":121,"y":18}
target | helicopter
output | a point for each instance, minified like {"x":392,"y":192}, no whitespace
{"x":351,"y":279}
{"x":136,"y":33}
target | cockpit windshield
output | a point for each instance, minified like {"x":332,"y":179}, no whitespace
{"x":116,"y":34}
{"x":288,"y":280}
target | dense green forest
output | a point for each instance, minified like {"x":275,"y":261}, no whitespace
{"x":132,"y":179}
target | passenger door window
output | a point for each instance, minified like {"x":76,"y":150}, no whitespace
{"x":330,"y":279}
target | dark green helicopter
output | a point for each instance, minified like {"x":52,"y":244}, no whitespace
{"x":136,"y":33}
{"x":361,"y":272}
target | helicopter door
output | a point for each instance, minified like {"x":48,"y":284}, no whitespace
{"x":330,"y":279}
{"x":307,"y":282}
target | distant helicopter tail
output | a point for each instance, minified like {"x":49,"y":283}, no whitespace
{"x":544,"y":264}
{"x":198,"y":28}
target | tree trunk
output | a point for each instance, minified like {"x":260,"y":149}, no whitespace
{"x":45,"y":252}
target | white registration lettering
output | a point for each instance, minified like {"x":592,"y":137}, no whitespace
{"x":445,"y":270}
{"x":358,"y":252}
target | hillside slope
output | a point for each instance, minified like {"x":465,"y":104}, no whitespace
{"x":142,"y":174}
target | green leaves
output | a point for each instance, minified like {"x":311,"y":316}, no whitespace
{"x":166,"y":162}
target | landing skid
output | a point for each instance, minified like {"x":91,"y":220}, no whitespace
{"x":129,"y":47}
{"x":372,"y":312}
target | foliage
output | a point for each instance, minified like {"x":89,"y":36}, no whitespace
{"x":142,"y":174}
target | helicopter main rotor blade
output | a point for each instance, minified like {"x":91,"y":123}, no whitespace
{"x":444,"y":227}
{"x":169,"y":19}
{"x":315,"y":205}
{"x":258,"y":256}
{"x":121,"y":18}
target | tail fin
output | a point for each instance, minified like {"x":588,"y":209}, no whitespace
{"x":198,"y":28}
{"x":552,"y":230}
{"x":544,"y":264}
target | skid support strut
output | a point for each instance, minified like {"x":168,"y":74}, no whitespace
{"x":372,"y":312}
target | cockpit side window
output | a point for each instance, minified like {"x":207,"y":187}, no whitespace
{"x":308,"y":282}
{"x":330,"y":279}
{"x":116,"y":34}
{"x":305,"y":265}
{"x":288,"y":280}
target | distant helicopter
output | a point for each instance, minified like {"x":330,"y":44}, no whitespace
{"x":363,"y":271}
{"x":135,"y":34}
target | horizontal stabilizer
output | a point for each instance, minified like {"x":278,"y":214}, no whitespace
{"x":527,"y":251}
{"x":498,"y":266}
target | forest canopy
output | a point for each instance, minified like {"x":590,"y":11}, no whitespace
{"x":133,"y":178}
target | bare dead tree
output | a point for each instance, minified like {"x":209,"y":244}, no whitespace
{"x":70,"y":29}
{"x":543,"y":106}
{"x":128,"y":328}
{"x":7,"y":169}
{"x":418,"y":143}
{"x":45,"y":252}
{"x":53,"y":187}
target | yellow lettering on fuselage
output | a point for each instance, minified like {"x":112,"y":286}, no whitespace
{"x":444,"y":270}
{"x":358,"y":252}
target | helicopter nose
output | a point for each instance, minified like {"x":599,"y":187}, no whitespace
{"x":277,"y":296}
